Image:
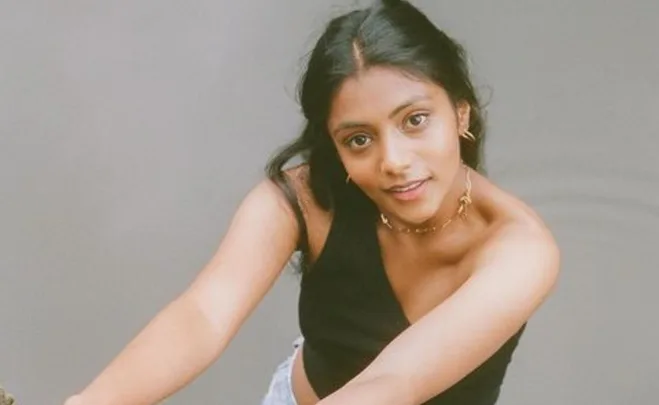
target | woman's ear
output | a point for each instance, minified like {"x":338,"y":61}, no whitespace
{"x":463,"y":115}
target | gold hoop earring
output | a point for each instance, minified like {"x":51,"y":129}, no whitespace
{"x":468,"y":135}
{"x":348,"y":179}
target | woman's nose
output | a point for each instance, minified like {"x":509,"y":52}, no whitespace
{"x":396,"y":155}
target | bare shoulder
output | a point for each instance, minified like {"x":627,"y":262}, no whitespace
{"x":518,"y":234}
{"x":264,"y":220}
{"x":266,"y":200}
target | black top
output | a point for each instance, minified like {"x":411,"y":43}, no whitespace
{"x":348,"y":313}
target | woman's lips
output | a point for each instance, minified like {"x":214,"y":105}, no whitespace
{"x":409,"y":191}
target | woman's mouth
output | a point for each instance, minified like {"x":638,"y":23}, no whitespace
{"x":408,"y":191}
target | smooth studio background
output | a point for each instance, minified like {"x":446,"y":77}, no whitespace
{"x":129,"y":132}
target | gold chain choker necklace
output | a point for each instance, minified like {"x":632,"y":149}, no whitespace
{"x":464,"y":202}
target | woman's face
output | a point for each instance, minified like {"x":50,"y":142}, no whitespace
{"x":397,"y":137}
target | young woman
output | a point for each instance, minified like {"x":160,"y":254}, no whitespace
{"x":418,"y":275}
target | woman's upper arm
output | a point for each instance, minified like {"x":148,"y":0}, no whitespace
{"x":260,"y":240}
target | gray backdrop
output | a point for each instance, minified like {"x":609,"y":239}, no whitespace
{"x":129,"y":132}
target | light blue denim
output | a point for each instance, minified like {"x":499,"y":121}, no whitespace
{"x":280,"y":391}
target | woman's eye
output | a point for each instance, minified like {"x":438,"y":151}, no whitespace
{"x":358,"y":141}
{"x":417,"y":120}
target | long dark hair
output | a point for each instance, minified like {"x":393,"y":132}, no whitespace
{"x":389,"y":33}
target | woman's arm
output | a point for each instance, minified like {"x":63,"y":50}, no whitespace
{"x":193,"y":330}
{"x":513,"y":276}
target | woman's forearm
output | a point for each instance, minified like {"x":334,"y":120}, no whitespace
{"x":173,"y":349}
